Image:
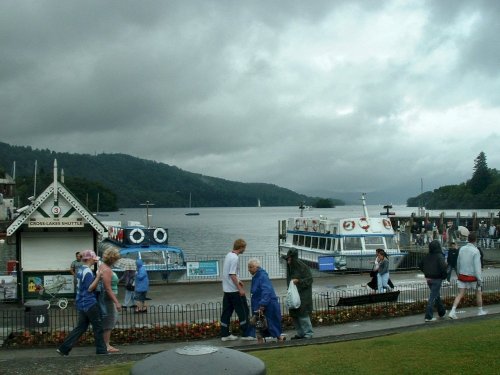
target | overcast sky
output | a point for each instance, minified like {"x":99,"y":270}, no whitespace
{"x":321,"y":97}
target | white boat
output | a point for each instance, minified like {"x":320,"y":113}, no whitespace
{"x":340,"y":244}
{"x":191,"y":213}
{"x":135,"y":241}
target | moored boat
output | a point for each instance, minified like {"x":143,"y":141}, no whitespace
{"x":340,"y":244}
{"x":136,"y":241}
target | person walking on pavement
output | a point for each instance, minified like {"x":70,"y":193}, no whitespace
{"x":234,"y":295}
{"x":452,"y":260}
{"x":383,"y":272}
{"x":373,"y":284}
{"x":434,"y":268}
{"x":301,"y":275}
{"x":141,"y":287}
{"x":264,"y":301}
{"x":87,"y":306}
{"x":469,"y":274}
{"x":75,"y":265}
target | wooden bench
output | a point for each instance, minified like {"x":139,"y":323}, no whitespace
{"x":369,"y":298}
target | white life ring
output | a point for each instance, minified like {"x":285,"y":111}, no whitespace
{"x":160,"y":235}
{"x":131,"y":236}
{"x":387,"y":223}
{"x":363,"y":223}
{"x":349,"y":225}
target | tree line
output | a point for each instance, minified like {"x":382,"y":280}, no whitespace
{"x":482,"y":191}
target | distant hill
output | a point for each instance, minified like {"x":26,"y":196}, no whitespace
{"x":133,"y":181}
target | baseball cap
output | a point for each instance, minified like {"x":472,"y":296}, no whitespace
{"x":89,"y":254}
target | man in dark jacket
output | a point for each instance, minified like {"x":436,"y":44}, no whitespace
{"x":434,"y":268}
{"x":301,"y":275}
{"x":452,"y":260}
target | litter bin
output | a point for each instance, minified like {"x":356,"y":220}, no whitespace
{"x":36,"y":314}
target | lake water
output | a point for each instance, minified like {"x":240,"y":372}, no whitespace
{"x":212,"y":233}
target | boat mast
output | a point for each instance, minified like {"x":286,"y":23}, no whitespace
{"x":55,"y":181}
{"x":363,"y":200}
{"x":147,"y":204}
{"x":34,"y":183}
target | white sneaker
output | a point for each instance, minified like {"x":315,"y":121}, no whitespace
{"x":229,"y":338}
{"x":431,"y":320}
{"x":482,"y":312}
{"x":248,"y":338}
{"x":452,"y":315}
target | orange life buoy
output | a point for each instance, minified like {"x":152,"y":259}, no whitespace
{"x":349,"y":225}
{"x":363,"y":223}
{"x":387,"y":223}
{"x":314,"y":225}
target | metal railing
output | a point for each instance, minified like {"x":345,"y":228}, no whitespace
{"x":37,"y":325}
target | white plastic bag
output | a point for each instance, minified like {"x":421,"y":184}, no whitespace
{"x":292,"y":297}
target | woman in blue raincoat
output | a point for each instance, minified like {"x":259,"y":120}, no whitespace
{"x":141,"y":287}
{"x":265,"y":301}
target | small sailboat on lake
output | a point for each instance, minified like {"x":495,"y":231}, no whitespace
{"x":191,"y":213}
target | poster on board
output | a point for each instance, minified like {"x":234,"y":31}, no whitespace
{"x":203,"y":268}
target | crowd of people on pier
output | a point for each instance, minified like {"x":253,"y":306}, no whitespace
{"x":423,"y":232}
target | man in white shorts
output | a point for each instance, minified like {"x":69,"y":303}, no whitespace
{"x":469,"y":274}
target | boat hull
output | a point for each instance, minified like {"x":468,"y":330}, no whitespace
{"x":343,"y":261}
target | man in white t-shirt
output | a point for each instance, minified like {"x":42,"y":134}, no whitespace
{"x":470,"y":275}
{"x":234,"y":294}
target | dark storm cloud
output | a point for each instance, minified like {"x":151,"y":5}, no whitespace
{"x":315,"y":96}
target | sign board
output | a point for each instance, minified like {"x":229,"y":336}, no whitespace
{"x":55,"y":223}
{"x":8,"y":287}
{"x":203,"y":268}
{"x":326,"y":263}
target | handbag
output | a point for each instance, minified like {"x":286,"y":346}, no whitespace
{"x":130,"y":286}
{"x":292,"y":296}
{"x":259,"y":321}
{"x":466,"y":278}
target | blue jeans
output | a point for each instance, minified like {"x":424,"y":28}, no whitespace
{"x":234,"y":302}
{"x":92,"y":316}
{"x":303,"y":326}
{"x":434,"y":298}
{"x":129,"y":298}
{"x":383,"y":281}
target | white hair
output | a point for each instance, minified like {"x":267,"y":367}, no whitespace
{"x":254,"y":262}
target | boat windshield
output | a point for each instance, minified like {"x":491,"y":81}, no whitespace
{"x":352,"y":243}
{"x":391,"y":242}
{"x":153,"y":257}
{"x":372,"y":243}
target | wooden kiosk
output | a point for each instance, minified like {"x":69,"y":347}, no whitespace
{"x":48,"y":232}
